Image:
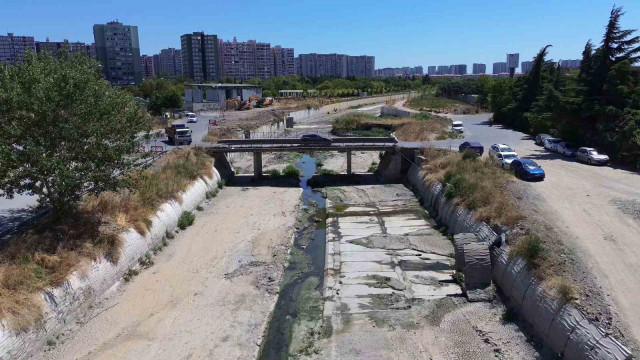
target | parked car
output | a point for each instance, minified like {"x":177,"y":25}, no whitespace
{"x":498,"y":148}
{"x":527,"y":169}
{"x":567,"y":149}
{"x":192,"y":118}
{"x":472,"y":145}
{"x":540,"y":139}
{"x":591,"y":156}
{"x":504,"y":159}
{"x":551,"y":144}
{"x":315,"y":139}
{"x":457,"y":126}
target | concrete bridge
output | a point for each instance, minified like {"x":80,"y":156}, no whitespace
{"x":345,"y":144}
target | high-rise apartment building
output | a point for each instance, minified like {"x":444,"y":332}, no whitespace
{"x":500,"y":68}
{"x":283,"y":61}
{"x":170,"y":62}
{"x":417,"y":70}
{"x":571,"y":64}
{"x":479,"y":69}
{"x":442,"y":70}
{"x":118,"y":49}
{"x":432,"y":70}
{"x":458,"y":69}
{"x":54,"y":47}
{"x":148,"y":68}
{"x":13,"y":48}
{"x":200,"y":57}
{"x":526,"y":66}
{"x":338,"y":65}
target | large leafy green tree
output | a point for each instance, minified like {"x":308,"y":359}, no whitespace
{"x":64,"y":130}
{"x":167,"y":99}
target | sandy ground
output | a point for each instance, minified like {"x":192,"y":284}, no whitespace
{"x":209,"y":294}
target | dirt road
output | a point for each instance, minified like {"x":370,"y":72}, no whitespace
{"x":210,"y":292}
{"x":593,"y":210}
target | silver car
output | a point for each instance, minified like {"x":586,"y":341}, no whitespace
{"x":551,"y":143}
{"x":504,"y":159}
{"x":567,"y":149}
{"x":591,"y":156}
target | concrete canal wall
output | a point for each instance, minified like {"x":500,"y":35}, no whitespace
{"x":563,"y":327}
{"x":83,"y":288}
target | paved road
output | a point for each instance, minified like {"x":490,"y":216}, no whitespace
{"x":592,"y":205}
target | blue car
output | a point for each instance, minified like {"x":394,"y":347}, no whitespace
{"x":527,"y":169}
{"x":473,"y":145}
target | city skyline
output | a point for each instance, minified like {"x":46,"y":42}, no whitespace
{"x":476,"y":42}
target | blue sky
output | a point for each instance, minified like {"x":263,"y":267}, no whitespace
{"x":397,"y":33}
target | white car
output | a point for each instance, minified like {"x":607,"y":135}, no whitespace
{"x":498,"y":148}
{"x":504,"y":159}
{"x":551,"y":144}
{"x":567,"y":149}
{"x":457,"y":126}
{"x":192,"y":118}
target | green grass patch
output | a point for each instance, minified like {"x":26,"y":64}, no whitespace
{"x":291,"y":171}
{"x":186,"y":219}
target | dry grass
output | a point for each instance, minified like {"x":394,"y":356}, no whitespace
{"x":432,"y":128}
{"x":474,"y":183}
{"x":561,"y":289}
{"x":440,"y":105}
{"x":44,"y":256}
{"x":220,"y":133}
{"x":422,"y":127}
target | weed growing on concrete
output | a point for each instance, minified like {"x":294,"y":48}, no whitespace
{"x":373,"y":167}
{"x":130,"y":274}
{"x":459,"y":278}
{"x":145,"y":260}
{"x":509,"y":314}
{"x":51,"y":342}
{"x":211,"y":194}
{"x":273,"y":172}
{"x":186,"y":219}
{"x":222,"y":183}
{"x":169,"y":235}
{"x":319,"y":163}
{"x":199,"y":208}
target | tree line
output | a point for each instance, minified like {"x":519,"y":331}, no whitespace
{"x":597,"y":106}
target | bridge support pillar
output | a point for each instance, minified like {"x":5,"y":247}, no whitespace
{"x":348,"y":162}
{"x":257,"y":164}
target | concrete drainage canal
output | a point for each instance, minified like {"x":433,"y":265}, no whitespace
{"x":370,"y":277}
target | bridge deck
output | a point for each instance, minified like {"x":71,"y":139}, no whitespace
{"x":297,"y":145}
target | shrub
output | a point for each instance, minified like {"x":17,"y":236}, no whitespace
{"x":372,"y":168}
{"x":319,"y":163}
{"x":145,"y":260}
{"x":199,"y":208}
{"x":470,"y":155}
{"x":186,"y":219}
{"x":222,"y":183}
{"x":326,"y":172}
{"x":530,"y":248}
{"x":273,"y":172}
{"x":563,"y":289}
{"x":291,"y":171}
{"x":169,"y":235}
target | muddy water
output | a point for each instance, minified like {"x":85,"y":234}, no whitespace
{"x":300,"y":293}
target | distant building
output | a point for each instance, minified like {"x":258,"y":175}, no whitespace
{"x":243,"y":60}
{"x":13,"y":48}
{"x":283,"y":61}
{"x":442,"y":70}
{"x":479,"y":69}
{"x":338,"y":65}
{"x":458,"y":69}
{"x":72,"y":47}
{"x":170,"y":62}
{"x":148,"y":68}
{"x":500,"y":68}
{"x":200,"y":60}
{"x":417,"y":70}
{"x":571,"y":64}
{"x":432,"y":70}
{"x":526,"y":66}
{"x":118,"y":49}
